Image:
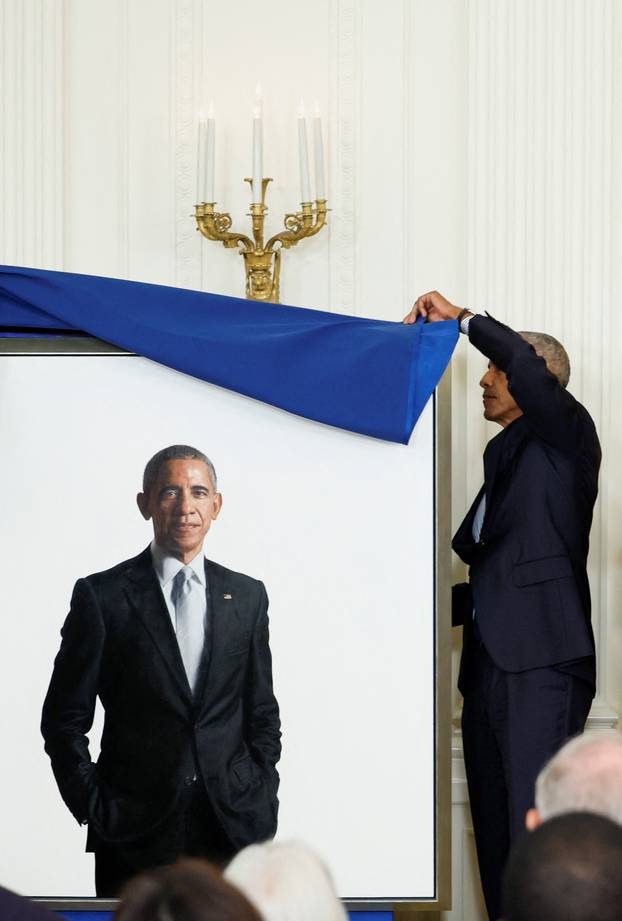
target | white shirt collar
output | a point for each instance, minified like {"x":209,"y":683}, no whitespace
{"x":167,"y":566}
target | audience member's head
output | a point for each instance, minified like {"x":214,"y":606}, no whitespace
{"x":286,"y":881}
{"x":190,"y":890}
{"x":569,"y":869}
{"x":584,"y":776}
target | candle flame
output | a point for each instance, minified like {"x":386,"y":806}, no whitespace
{"x":301,"y":108}
{"x":316,"y":110}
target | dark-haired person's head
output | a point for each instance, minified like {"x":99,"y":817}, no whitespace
{"x":180,"y":496}
{"x":568,"y":869}
{"x":189,"y":890}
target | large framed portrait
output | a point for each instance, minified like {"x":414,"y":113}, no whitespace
{"x":350,"y":536}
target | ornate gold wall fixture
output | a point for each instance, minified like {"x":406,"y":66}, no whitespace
{"x":262,"y":261}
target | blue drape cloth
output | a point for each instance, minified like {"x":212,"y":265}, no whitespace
{"x":368,"y":376}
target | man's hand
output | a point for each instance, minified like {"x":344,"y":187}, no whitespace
{"x":433,"y":307}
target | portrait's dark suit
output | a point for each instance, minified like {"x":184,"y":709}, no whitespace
{"x":158,"y":739}
{"x":527,"y":673}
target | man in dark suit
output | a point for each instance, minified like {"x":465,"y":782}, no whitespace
{"x":176,"y":648}
{"x":527,"y":673}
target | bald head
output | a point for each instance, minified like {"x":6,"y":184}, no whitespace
{"x":585,"y":775}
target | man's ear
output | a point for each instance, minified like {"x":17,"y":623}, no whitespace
{"x":143,"y":504}
{"x":533,"y":819}
{"x":217,"y":505}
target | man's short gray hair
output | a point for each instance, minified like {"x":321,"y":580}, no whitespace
{"x":553,"y":352}
{"x":584,"y":776}
{"x":175,"y":452}
{"x":286,"y":881}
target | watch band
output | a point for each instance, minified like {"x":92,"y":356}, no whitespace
{"x":464,"y":318}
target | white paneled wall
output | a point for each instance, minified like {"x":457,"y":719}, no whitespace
{"x":472,"y":146}
{"x":31,"y":122}
{"x":542,"y":129}
{"x":344,"y":106}
{"x":540,"y":190}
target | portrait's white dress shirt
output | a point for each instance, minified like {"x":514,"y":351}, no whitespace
{"x":167,"y":567}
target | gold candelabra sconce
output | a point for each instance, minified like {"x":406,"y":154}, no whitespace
{"x":262,"y":261}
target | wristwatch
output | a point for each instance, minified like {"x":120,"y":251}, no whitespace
{"x":464,"y":318}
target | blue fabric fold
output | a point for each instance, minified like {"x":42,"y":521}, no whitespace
{"x":368,"y":376}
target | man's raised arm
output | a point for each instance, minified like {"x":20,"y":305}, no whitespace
{"x":551,"y":411}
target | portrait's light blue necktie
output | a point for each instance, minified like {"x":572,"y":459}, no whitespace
{"x":189,"y":599}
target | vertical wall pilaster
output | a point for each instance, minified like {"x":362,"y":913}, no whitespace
{"x":31,"y":149}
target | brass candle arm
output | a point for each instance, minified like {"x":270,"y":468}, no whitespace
{"x":262,"y":262}
{"x":215,"y":225}
{"x":305,"y":223}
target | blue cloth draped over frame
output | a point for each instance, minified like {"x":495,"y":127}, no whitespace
{"x":368,"y":376}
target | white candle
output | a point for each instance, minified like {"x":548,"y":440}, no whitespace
{"x":303,"y":153}
{"x":210,"y":155}
{"x":318,"y":151}
{"x":257,"y":147}
{"x":201,"y":161}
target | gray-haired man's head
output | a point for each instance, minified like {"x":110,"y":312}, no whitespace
{"x":553,"y":352}
{"x":499,"y":403}
{"x":585,"y":775}
{"x":286,"y":881}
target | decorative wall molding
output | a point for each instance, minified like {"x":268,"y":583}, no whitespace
{"x":32,"y":150}
{"x":123,"y":142}
{"x":408,"y":213}
{"x":188,"y":84}
{"x":343,"y":121}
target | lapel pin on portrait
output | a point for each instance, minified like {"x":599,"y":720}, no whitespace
{"x":227,"y":596}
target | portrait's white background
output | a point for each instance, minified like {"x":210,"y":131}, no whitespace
{"x":341,"y":530}
{"x":473,"y":146}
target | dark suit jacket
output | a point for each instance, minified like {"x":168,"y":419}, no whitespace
{"x":528,"y":579}
{"x":118,"y":643}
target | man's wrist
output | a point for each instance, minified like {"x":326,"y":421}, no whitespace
{"x":464,"y":318}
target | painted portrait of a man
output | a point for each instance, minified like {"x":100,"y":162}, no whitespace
{"x":175,"y":646}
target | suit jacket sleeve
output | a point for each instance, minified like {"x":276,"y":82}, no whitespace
{"x":261,"y":708}
{"x":553,"y":413}
{"x":70,"y":701}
